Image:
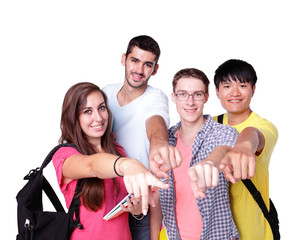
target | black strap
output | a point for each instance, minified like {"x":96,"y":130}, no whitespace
{"x":52,"y":152}
{"x":52,"y":196}
{"x":258,"y":198}
{"x":220,"y":118}
{"x":74,"y":207}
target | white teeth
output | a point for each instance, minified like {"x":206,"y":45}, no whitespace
{"x":233,"y":101}
{"x":190,"y":110}
{"x":99,"y":126}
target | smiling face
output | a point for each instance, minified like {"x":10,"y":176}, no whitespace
{"x":139,"y":66}
{"x":93,"y":118}
{"x":190,"y":110}
{"x":235,"y":97}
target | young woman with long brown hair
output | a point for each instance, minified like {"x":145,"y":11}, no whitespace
{"x":98,"y":160}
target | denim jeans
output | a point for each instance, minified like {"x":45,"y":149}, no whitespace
{"x":140,"y":229}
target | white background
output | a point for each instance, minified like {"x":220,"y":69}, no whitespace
{"x":47,"y":46}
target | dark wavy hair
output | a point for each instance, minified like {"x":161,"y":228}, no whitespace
{"x":92,"y":189}
{"x":145,"y":43}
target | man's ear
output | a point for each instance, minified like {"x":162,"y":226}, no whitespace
{"x":217,"y":92}
{"x":206,"y":97}
{"x":173,"y":97}
{"x":155,"y":69}
{"x":123,"y":59}
{"x":253,"y":90}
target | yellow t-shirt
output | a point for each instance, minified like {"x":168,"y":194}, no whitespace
{"x":247,"y":215}
{"x":163,"y":235}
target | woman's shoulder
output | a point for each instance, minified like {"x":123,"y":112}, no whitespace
{"x":65,"y":151}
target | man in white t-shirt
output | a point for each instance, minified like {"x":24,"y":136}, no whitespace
{"x":141,"y":116}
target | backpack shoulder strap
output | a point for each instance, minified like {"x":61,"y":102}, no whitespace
{"x":259,"y":200}
{"x":52,"y":152}
{"x":52,"y":196}
{"x":257,"y":196}
{"x":46,"y":187}
{"x":74,"y":207}
{"x":220,"y":118}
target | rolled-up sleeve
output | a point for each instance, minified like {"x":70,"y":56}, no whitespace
{"x":58,"y":160}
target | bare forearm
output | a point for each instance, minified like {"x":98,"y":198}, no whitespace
{"x":217,"y":155}
{"x":108,"y":165}
{"x":251,"y":139}
{"x":162,"y":156}
{"x":240,"y":162}
{"x":99,"y":165}
{"x":157,"y":131}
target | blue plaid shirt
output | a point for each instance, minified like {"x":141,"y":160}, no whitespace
{"x":215,"y":210}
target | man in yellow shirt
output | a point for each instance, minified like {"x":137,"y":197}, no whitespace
{"x":235,"y":82}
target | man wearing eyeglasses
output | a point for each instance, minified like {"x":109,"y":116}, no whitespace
{"x":188,"y":213}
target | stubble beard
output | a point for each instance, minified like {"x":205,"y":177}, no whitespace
{"x":141,"y":84}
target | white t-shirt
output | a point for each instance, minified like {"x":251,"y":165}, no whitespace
{"x":129,"y":124}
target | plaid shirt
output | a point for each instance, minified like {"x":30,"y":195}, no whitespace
{"x":215,"y":208}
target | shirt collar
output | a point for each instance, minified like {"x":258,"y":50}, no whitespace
{"x":207,"y":126}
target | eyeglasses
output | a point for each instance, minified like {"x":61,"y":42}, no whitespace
{"x":197,"y":96}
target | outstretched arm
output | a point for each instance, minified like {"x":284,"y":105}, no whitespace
{"x":205,"y":174}
{"x":162,"y":157}
{"x":240,"y":162}
{"x":137,"y":178}
{"x":237,"y":162}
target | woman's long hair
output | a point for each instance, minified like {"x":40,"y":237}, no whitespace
{"x":92,"y":189}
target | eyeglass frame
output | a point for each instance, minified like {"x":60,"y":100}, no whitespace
{"x":190,"y":94}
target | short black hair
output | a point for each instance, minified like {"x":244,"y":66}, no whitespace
{"x":235,"y":70}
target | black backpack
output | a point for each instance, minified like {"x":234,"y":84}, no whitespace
{"x":33,"y":222}
{"x":271,"y":216}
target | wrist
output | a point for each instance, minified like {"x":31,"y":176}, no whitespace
{"x":127,"y":164}
{"x":117,"y":166}
{"x":158,"y":142}
{"x":245,"y":146}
